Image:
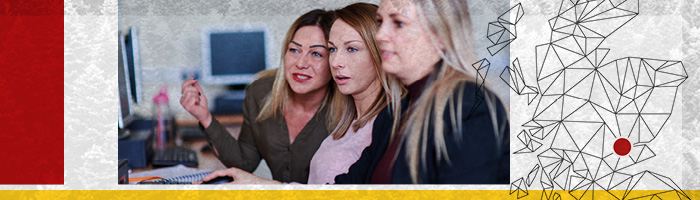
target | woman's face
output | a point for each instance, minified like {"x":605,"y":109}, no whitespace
{"x":306,"y":61}
{"x":351,"y":63}
{"x":406,"y":46}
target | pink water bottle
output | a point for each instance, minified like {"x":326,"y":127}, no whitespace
{"x":162,"y":115}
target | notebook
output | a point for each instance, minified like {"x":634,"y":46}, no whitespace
{"x":173,"y":174}
{"x":188,"y":179}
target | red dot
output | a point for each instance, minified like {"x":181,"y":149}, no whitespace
{"x":622,"y":146}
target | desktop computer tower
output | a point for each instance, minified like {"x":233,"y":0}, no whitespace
{"x":123,"y":172}
{"x":230,"y":102}
{"x":137,"y":148}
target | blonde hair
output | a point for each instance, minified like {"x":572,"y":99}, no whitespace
{"x":281,"y":91}
{"x":361,"y":16}
{"x":449,"y":20}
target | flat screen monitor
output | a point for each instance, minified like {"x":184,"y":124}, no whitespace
{"x":125,"y":111}
{"x":234,"y":56}
{"x":133,"y":63}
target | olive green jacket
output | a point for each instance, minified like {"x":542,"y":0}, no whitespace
{"x":268,"y":139}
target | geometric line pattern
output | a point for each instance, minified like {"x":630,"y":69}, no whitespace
{"x":519,"y":188}
{"x":503,"y":31}
{"x":517,"y":81}
{"x":482,"y":69}
{"x":585,"y":105}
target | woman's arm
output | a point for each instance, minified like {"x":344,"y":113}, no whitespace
{"x":242,"y":153}
{"x":239,"y":177}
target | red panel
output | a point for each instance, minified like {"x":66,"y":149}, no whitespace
{"x":31,"y":92}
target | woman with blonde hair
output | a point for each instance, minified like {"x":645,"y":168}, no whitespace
{"x":361,"y":93}
{"x":451,"y":128}
{"x":285,"y":111}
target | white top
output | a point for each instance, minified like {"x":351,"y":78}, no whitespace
{"x":334,"y":157}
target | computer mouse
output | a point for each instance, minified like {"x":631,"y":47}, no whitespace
{"x":206,"y":149}
{"x":219,"y":180}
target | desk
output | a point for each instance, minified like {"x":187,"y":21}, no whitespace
{"x":207,"y":160}
{"x":224,"y":119}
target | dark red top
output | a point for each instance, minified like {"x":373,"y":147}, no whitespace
{"x":382,"y":173}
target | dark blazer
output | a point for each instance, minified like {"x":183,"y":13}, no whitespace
{"x":475,"y":157}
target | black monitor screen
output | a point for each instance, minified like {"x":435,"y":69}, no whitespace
{"x":237,"y":53}
{"x":125,"y":115}
{"x":131,"y":45}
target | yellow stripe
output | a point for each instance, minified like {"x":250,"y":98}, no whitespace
{"x":323,"y":194}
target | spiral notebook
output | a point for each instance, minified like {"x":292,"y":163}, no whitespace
{"x":188,"y":179}
{"x":178,"y":174}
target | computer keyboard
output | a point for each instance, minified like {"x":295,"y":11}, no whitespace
{"x":174,"y":156}
{"x":190,"y":133}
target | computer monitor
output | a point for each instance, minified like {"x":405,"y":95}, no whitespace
{"x":133,"y":60}
{"x":126,"y":115}
{"x":234,"y":56}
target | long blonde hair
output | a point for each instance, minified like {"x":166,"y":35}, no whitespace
{"x":361,"y":16}
{"x":274,"y":102}
{"x":449,"y":20}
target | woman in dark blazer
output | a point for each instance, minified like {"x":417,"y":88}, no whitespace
{"x":451,"y":129}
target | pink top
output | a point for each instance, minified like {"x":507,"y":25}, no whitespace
{"x":334,"y":157}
